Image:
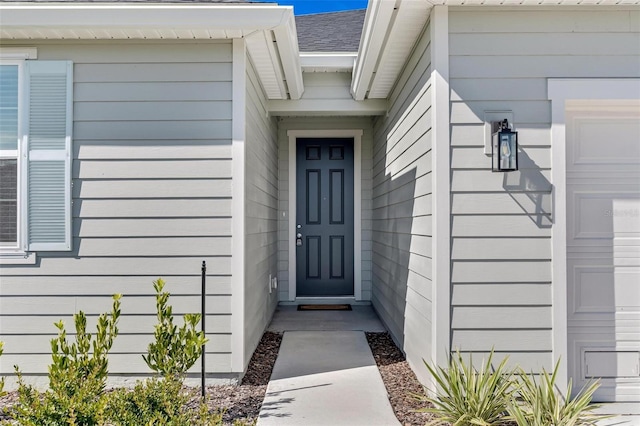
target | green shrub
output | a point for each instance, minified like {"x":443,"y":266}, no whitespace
{"x":466,"y":396}
{"x":175,"y":349}
{"x":539,"y":403}
{"x":77,"y":376}
{"x":158,"y":401}
{"x":162,"y":400}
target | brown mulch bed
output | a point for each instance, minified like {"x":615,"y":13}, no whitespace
{"x":242,"y":402}
{"x":399,"y":380}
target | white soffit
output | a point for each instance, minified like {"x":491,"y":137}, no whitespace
{"x":287,"y":38}
{"x":264,"y":56}
{"x":374,"y":32}
{"x":409,"y":21}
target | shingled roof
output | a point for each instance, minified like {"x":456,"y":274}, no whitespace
{"x":330,"y":32}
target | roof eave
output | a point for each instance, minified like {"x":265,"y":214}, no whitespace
{"x":386,"y":22}
{"x":374,"y":32}
{"x":164,"y":22}
{"x":140,"y":16}
{"x":287,"y":39}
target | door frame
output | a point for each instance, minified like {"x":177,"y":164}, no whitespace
{"x":356,"y":134}
{"x":561,"y":90}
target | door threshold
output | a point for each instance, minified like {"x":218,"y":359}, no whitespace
{"x":325,"y":301}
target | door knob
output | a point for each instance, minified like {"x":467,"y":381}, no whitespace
{"x":298,"y":235}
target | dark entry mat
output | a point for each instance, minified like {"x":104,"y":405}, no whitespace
{"x":344,"y":307}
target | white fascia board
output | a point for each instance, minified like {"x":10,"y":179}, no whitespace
{"x":328,"y":61}
{"x":16,"y":16}
{"x":287,"y":40}
{"x":374,"y":33}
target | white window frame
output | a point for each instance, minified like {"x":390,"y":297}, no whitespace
{"x":17,"y":254}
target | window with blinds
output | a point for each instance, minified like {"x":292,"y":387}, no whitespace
{"x":9,"y":75}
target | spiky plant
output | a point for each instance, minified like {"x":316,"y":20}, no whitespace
{"x":538,"y":402}
{"x":467,"y":396}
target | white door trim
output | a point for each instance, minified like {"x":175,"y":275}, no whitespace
{"x":561,"y":90}
{"x":356,"y":134}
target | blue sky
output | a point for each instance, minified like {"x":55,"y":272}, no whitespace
{"x":305,"y":7}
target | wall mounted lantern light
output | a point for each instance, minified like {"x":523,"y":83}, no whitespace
{"x":504,"y":149}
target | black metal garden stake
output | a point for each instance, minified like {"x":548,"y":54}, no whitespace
{"x":202,"y":321}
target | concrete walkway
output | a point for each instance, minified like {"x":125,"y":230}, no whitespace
{"x":625,"y":414}
{"x":325,"y":373}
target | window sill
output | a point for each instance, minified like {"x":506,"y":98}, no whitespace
{"x":17,"y":258}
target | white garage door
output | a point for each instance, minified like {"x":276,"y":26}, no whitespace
{"x":603,"y":246}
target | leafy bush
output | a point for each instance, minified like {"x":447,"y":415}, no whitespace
{"x":161,"y":400}
{"x":466,"y":396}
{"x":539,"y":403}
{"x":158,"y":402}
{"x":175,"y":349}
{"x":77,"y":376}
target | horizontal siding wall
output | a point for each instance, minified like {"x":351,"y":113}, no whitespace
{"x":320,"y":123}
{"x":402,"y":216}
{"x":261,"y":212}
{"x":151,"y":198}
{"x":501,"y":223}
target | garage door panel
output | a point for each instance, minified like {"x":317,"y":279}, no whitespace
{"x":603,"y":247}
{"x":599,"y":141}
{"x":593,"y":291}
{"x":603,"y":214}
{"x":603,"y":289}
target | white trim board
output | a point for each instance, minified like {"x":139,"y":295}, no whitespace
{"x":440,"y":101}
{"x":238,"y":205}
{"x":356,"y":134}
{"x":18,"y":53}
{"x":561,"y":90}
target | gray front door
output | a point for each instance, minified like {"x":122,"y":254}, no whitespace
{"x":324,"y":217}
